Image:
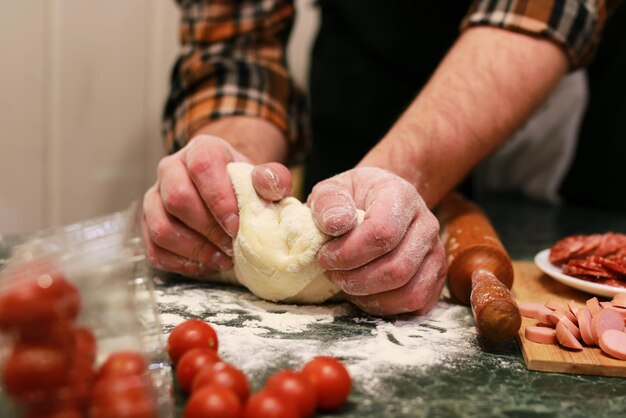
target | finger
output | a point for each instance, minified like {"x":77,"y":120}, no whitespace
{"x":392,"y":270}
{"x":390,"y":208}
{"x":419,"y":295}
{"x":333,"y":207}
{"x":168,"y":234}
{"x":272,"y":181}
{"x":205,"y":160}
{"x":182,"y":201}
{"x":430,"y":304}
{"x":165,"y":260}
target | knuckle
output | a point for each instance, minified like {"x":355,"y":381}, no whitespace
{"x":221,"y":204}
{"x":414,"y":301}
{"x":176,"y":199}
{"x":431,"y":223}
{"x":434,"y":228}
{"x":409,"y":190}
{"x":159,"y":232}
{"x":147,"y":198}
{"x":199,"y":164}
{"x":410,"y":196}
{"x":351,"y":286}
{"x":421,"y":295}
{"x":213,"y":232}
{"x":163,"y":165}
{"x":369,"y":304}
{"x":198,"y":250}
{"x":397,"y":275}
{"x":152,"y":256}
{"x":383,"y":237}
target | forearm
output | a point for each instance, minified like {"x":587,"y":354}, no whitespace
{"x":487,"y":86}
{"x":256,"y":138}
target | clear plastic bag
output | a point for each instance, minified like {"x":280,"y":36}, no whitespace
{"x":64,"y":287}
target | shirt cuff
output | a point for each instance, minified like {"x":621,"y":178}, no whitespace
{"x":575,"y":25}
{"x":230,"y":87}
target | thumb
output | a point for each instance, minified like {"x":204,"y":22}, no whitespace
{"x":272,"y":181}
{"x":333,"y":207}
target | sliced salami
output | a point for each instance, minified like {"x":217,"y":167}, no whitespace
{"x":581,"y":268}
{"x":597,"y":257}
{"x":611,"y":243}
{"x":608,"y":264}
{"x":563,"y":249}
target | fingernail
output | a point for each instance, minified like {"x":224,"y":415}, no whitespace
{"x":222,"y":261}
{"x":336,"y":212}
{"x":227,"y":246}
{"x":338,"y":220}
{"x":327,"y":260}
{"x":272,"y":178}
{"x":231,"y":224}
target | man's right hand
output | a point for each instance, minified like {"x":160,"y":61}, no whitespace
{"x":190,"y":215}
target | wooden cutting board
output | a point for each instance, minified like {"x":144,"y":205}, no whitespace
{"x":531,"y":285}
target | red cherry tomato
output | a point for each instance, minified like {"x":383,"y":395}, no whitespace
{"x":32,"y":372}
{"x":114,"y":386}
{"x":63,"y":412}
{"x":213,"y":401}
{"x":225,"y":375}
{"x":72,"y":396}
{"x":269,"y":404}
{"x":82,"y":377}
{"x":59,"y":334}
{"x":125,"y":406}
{"x":85,"y":344}
{"x":295,"y":386}
{"x":191,"y":363}
{"x":123,"y":396}
{"x":193,"y":333}
{"x":123,"y":363}
{"x":37,"y":297}
{"x":331,"y":381}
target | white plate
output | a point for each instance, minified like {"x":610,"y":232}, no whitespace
{"x":543,"y":262}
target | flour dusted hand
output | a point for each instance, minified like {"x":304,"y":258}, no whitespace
{"x":389,"y":263}
{"x":392,"y":262}
{"x":190,"y":215}
{"x":276,"y":245}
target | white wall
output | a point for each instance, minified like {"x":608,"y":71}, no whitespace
{"x":82,"y":85}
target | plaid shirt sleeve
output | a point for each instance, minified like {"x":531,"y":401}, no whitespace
{"x":575,"y":25}
{"x":232,"y":63}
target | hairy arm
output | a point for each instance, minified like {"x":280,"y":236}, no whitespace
{"x":487,"y":86}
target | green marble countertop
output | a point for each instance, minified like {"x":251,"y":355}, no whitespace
{"x":406,"y":366}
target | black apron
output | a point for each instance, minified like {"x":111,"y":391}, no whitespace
{"x":597,"y":176}
{"x":370,"y":59}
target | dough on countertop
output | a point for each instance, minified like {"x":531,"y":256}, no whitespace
{"x":275,"y":248}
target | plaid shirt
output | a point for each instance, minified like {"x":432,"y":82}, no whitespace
{"x":233,"y":57}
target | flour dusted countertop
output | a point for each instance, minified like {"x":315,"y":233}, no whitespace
{"x":433,"y":366}
{"x":407,"y":366}
{"x":401,"y":366}
{"x":259,"y":336}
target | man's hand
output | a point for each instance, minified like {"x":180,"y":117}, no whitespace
{"x":191,"y":215}
{"x":392,"y":262}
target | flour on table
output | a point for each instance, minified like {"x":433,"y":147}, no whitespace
{"x":256,"y":335}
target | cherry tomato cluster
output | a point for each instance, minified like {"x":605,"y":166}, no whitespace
{"x":220,"y":390}
{"x":122,"y":388}
{"x":49,"y":371}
